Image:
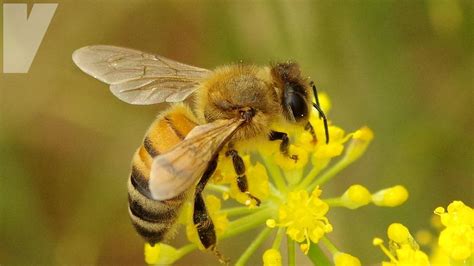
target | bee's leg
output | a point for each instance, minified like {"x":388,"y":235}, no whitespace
{"x":211,"y":167}
{"x":285,"y":143}
{"x":203,"y":223}
{"x":239,"y":168}
{"x":201,"y":218}
{"x":205,"y":227}
{"x":310,"y":129}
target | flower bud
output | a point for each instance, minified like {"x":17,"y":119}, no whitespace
{"x":272,"y":257}
{"x":398,"y":233}
{"x":355,"y":197}
{"x":390,"y":197}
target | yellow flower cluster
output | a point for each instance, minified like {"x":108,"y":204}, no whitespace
{"x":455,"y":242}
{"x":457,"y":239}
{"x":304,"y":217}
{"x":403,"y":248}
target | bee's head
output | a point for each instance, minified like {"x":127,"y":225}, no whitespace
{"x":295,"y":94}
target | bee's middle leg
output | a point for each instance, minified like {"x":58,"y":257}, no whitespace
{"x":239,"y":167}
{"x":285,"y":143}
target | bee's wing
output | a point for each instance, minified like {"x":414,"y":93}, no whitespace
{"x":177,"y":170}
{"x":137,"y":77}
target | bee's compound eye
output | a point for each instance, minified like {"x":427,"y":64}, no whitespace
{"x":298,"y":105}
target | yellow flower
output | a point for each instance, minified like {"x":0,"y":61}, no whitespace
{"x":161,"y":254}
{"x":403,"y":248}
{"x":322,"y":153}
{"x":287,"y":163}
{"x":408,"y":256}
{"x":439,"y":257}
{"x":457,"y":239}
{"x":332,"y":149}
{"x":390,"y":197}
{"x":257,"y":179}
{"x":272,"y":257}
{"x":359,"y":143}
{"x":322,"y":150}
{"x":344,"y":259}
{"x":304,"y":216}
{"x":220,"y":220}
{"x":458,"y":214}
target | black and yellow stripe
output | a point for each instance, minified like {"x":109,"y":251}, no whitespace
{"x":154,"y":219}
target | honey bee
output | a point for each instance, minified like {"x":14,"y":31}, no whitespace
{"x":180,"y":151}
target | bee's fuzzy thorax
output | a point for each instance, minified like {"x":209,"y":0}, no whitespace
{"x":234,"y":87}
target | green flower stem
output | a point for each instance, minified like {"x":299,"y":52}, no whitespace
{"x":293,"y":177}
{"x":314,"y":172}
{"x":317,"y":256}
{"x":291,"y":252}
{"x":236,"y":211}
{"x":279,"y":235}
{"x":185,"y":250}
{"x":275,"y":173}
{"x":248,"y":222}
{"x":275,"y":195}
{"x":334,"y":202}
{"x":309,"y":177}
{"x":217,"y":188}
{"x":331,"y":247}
{"x":253,"y":247}
{"x":334,"y":170}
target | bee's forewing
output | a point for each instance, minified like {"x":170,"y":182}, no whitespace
{"x":137,"y":77}
{"x":177,"y":170}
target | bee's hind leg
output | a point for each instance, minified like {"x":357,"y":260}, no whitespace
{"x":201,"y":218}
{"x":285,"y":143}
{"x":203,"y":223}
{"x":239,"y":168}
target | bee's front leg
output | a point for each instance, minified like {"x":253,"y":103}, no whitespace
{"x":285,"y":143}
{"x":310,"y":129}
{"x":239,"y":168}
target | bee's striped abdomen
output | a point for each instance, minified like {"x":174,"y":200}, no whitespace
{"x":153,"y":219}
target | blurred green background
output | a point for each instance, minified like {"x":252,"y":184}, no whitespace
{"x":404,"y":68}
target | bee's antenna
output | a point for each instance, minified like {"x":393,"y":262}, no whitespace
{"x":320,"y":111}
